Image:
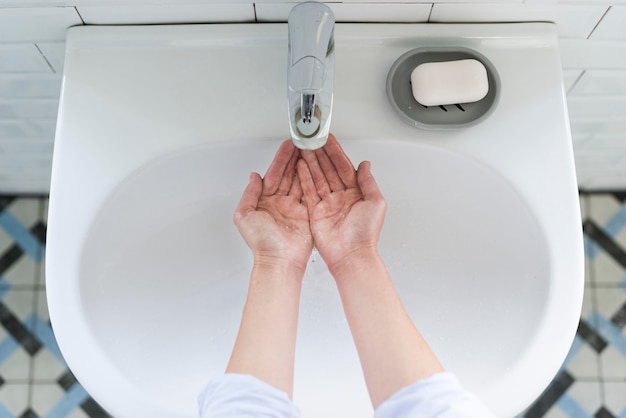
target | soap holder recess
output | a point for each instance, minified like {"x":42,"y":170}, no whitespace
{"x":456,"y":116}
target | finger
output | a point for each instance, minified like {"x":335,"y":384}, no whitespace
{"x":340,"y":160}
{"x":274,"y":173}
{"x":316,"y":173}
{"x":309,"y":191}
{"x":289,"y":175}
{"x":250,"y":197}
{"x":367,"y":184}
{"x":330,"y":172}
{"x":296,"y":188}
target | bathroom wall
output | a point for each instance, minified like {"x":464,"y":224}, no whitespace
{"x":32,"y":32}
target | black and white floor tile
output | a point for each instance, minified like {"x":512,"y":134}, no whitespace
{"x":35,"y":381}
{"x":592,"y":380}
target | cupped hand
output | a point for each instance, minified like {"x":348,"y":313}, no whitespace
{"x":346,"y":209}
{"x":271,"y":216}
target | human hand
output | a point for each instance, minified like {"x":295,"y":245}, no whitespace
{"x":346,"y":209}
{"x":271,"y":216}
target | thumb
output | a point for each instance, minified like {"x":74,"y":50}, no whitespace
{"x":366,"y":182}
{"x":250,"y":197}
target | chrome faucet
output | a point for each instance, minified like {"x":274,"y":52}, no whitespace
{"x":311,"y":63}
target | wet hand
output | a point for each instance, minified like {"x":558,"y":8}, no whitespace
{"x":345,"y":207}
{"x":271,"y":216}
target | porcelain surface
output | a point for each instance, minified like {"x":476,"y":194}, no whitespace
{"x":158,"y":129}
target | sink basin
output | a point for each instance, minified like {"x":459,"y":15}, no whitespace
{"x":164,"y":273}
{"x":147,"y":275}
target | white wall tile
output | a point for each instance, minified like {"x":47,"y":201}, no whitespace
{"x":26,"y":76}
{"x":613,"y":25}
{"x":387,"y":2}
{"x":54,"y":53}
{"x":598,"y":126}
{"x":21,"y":128}
{"x":36,"y":24}
{"x":345,"y":12}
{"x":601,"y":82}
{"x":13,"y":128}
{"x":22,"y":58}
{"x":584,"y":127}
{"x":591,"y":107}
{"x":606,"y":2}
{"x":580,"y":139}
{"x":19,"y":186}
{"x":573,"y":21}
{"x":129,"y":13}
{"x":25,"y":166}
{"x":35,"y":3}
{"x":42,"y":127}
{"x":600,"y":163}
{"x":28,"y":108}
{"x":98,"y":3}
{"x":34,"y":147}
{"x":594,"y":156}
{"x":13,"y":86}
{"x":570,"y":77}
{"x":609,"y":141}
{"x":593,"y":54}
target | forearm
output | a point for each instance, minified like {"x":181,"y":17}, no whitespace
{"x":393,"y":353}
{"x":265,"y":345}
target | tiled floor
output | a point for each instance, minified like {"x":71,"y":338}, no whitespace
{"x":592,"y":381}
{"x":35,"y":382}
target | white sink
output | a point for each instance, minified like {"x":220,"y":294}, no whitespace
{"x":157,"y":132}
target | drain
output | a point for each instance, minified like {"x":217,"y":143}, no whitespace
{"x":438,"y":117}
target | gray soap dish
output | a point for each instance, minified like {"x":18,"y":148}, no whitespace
{"x":438,"y":117}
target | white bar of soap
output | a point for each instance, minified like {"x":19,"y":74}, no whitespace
{"x":449,"y":82}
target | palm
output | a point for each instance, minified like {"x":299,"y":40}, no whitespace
{"x":283,"y":223}
{"x":271,"y":216}
{"x":338,"y":225}
{"x":346,"y":209}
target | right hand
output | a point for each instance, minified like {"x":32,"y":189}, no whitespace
{"x":346,"y":208}
{"x":271,"y":216}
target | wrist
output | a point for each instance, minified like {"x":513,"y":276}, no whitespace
{"x":280,"y":266}
{"x":357,"y":260}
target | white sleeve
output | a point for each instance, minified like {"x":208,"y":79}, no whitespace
{"x":240,"y":395}
{"x":439,"y":396}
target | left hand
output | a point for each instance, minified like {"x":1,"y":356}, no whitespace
{"x":271,"y":216}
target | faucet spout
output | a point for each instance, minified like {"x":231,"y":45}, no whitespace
{"x":310,"y":73}
{"x":307,"y":104}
